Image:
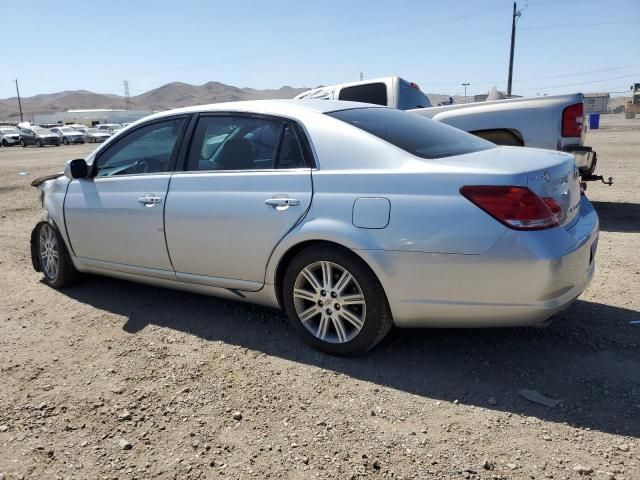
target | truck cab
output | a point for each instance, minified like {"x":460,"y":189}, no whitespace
{"x":394,"y":92}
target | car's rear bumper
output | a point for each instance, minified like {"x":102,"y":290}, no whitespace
{"x":524,"y":279}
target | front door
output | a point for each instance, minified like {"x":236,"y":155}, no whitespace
{"x":115,"y":218}
{"x":245,"y":186}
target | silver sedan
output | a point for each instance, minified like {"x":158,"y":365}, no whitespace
{"x":350,"y":217}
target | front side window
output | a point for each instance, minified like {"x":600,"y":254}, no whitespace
{"x":148,"y":149}
{"x":413,"y":133}
{"x":242,"y":143}
{"x":375,"y":93}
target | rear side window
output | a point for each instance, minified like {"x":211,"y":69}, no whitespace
{"x":417,"y":135}
{"x":375,"y":93}
{"x":243,"y":143}
{"x":290,"y":155}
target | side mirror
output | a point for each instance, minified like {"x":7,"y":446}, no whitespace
{"x":75,"y":169}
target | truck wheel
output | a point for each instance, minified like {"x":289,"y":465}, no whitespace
{"x":334,"y":301}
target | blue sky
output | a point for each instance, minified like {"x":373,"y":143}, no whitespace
{"x":561,"y":45}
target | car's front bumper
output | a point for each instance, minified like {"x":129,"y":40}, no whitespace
{"x":75,"y":139}
{"x":48,"y":140}
{"x":11,"y":141}
{"x":524,"y":279}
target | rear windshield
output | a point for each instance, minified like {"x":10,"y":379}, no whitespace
{"x":417,"y":135}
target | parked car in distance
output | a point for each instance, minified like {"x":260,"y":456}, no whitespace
{"x":109,"y":127}
{"x":9,"y":136}
{"x":79,"y":127}
{"x":68,"y":134}
{"x":93,"y":135}
{"x":38,"y":136}
{"x":350,"y":217}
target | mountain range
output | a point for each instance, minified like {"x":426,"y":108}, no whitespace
{"x":171,"y":95}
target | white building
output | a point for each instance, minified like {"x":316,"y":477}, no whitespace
{"x":90,"y":117}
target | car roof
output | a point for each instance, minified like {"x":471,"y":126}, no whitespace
{"x":271,"y":107}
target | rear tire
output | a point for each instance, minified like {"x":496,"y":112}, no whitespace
{"x":23,"y":144}
{"x":56,"y":266}
{"x":334,"y":301}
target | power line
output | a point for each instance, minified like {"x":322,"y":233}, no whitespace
{"x":573,"y":25}
{"x":583,"y":83}
{"x":535,"y":79}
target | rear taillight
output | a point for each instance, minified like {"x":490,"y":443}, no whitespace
{"x":572,"y":118}
{"x":554,"y":208}
{"x":516,"y":207}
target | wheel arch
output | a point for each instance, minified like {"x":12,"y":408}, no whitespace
{"x":293,"y":250}
{"x":501,"y":136}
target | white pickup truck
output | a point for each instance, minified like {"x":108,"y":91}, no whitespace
{"x":551,"y":122}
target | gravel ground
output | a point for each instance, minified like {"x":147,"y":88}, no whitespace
{"x":110,"y":379}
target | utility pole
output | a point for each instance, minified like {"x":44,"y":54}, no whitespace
{"x":516,"y":14}
{"x":19,"y":102}
{"x":465,"y":85}
{"x":127,"y":95}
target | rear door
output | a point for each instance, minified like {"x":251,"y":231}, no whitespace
{"x":245,"y":184}
{"x":115,"y":218}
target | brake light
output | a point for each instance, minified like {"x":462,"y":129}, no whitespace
{"x":516,"y":207}
{"x":572,"y":118}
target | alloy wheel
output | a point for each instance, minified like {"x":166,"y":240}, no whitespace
{"x":49,"y":252}
{"x":329,"y":302}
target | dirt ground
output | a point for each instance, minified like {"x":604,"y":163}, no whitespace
{"x":110,"y":379}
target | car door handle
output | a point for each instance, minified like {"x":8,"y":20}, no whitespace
{"x":282,"y":201}
{"x":149,"y":200}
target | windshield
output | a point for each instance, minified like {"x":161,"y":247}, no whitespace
{"x":417,"y":135}
{"x":9,"y":130}
{"x":67,"y":129}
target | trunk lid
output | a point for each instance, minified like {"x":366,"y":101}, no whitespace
{"x":547,"y":173}
{"x":560,"y":183}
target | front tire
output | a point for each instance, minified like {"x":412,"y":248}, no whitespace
{"x":23,"y":144}
{"x":65,"y":141}
{"x":39,"y":143}
{"x":334,"y":301}
{"x":56,"y":266}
